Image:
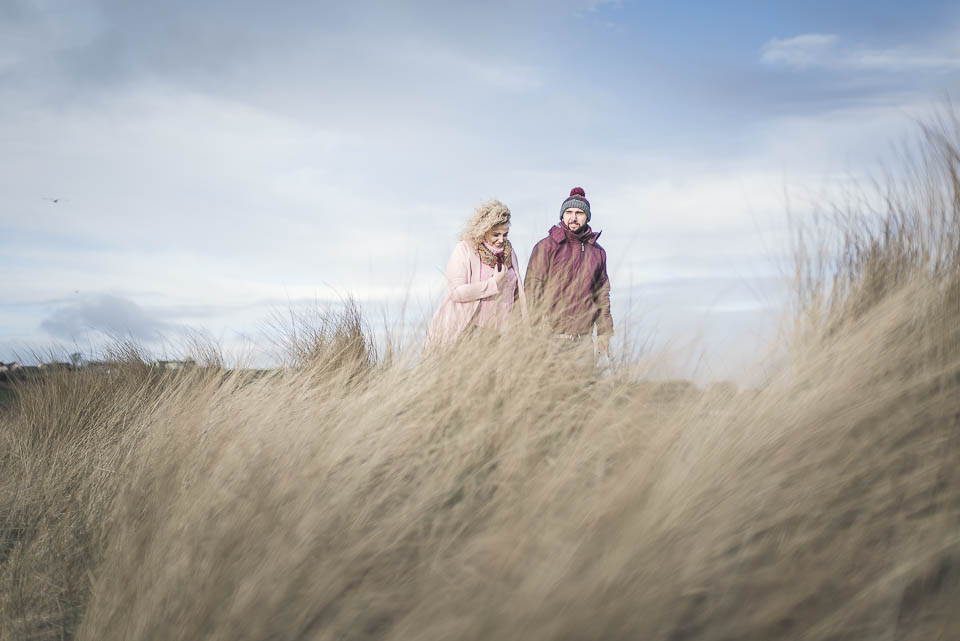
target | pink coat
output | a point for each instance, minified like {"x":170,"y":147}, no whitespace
{"x":464,"y":293}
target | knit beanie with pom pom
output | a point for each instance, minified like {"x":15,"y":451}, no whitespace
{"x":578,"y":200}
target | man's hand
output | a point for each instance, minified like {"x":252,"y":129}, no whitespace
{"x":603,"y":344}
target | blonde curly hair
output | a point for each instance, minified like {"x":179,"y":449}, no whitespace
{"x":485,"y":217}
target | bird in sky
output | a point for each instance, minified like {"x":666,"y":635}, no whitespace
{"x":55,"y":200}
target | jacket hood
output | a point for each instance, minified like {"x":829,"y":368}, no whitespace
{"x":561,"y":234}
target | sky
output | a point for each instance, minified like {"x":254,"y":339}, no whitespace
{"x":178,"y":167}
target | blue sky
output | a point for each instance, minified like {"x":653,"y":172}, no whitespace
{"x":219,"y":161}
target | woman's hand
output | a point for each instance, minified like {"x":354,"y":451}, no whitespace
{"x":500,"y":276}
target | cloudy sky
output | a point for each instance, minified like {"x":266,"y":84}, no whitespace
{"x":216,"y":162}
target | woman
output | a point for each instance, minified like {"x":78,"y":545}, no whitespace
{"x":483,"y":282}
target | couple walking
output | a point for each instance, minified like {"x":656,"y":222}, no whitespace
{"x":566,"y":286}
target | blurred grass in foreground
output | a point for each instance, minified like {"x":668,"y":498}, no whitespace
{"x":508,"y":491}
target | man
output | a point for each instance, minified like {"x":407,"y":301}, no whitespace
{"x":566,"y":282}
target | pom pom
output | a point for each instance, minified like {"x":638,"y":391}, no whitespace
{"x":578,"y":191}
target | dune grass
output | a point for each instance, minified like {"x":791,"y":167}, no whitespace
{"x":508,"y":490}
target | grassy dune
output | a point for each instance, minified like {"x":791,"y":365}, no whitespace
{"x":507,"y":491}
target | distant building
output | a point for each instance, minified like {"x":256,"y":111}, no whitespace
{"x":55,"y":365}
{"x":99,"y":367}
{"x":175,"y":365}
{"x":10,"y":372}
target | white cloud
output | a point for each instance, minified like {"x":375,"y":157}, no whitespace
{"x":110,"y":315}
{"x":827,"y":50}
{"x":800,"y":51}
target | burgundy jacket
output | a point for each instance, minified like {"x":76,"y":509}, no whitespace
{"x":567,"y":282}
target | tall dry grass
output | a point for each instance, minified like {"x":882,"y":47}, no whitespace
{"x":509,"y":491}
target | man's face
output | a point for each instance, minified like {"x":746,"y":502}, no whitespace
{"x":574,"y":218}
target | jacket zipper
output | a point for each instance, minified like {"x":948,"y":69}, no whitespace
{"x":581,"y":248}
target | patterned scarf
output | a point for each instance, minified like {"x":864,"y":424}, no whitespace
{"x":496,"y":261}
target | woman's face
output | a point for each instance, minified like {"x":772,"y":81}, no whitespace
{"x":497,"y":236}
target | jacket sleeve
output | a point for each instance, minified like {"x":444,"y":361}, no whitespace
{"x":535,"y":282}
{"x":462,"y":291}
{"x":602,"y":298}
{"x":519,"y":296}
